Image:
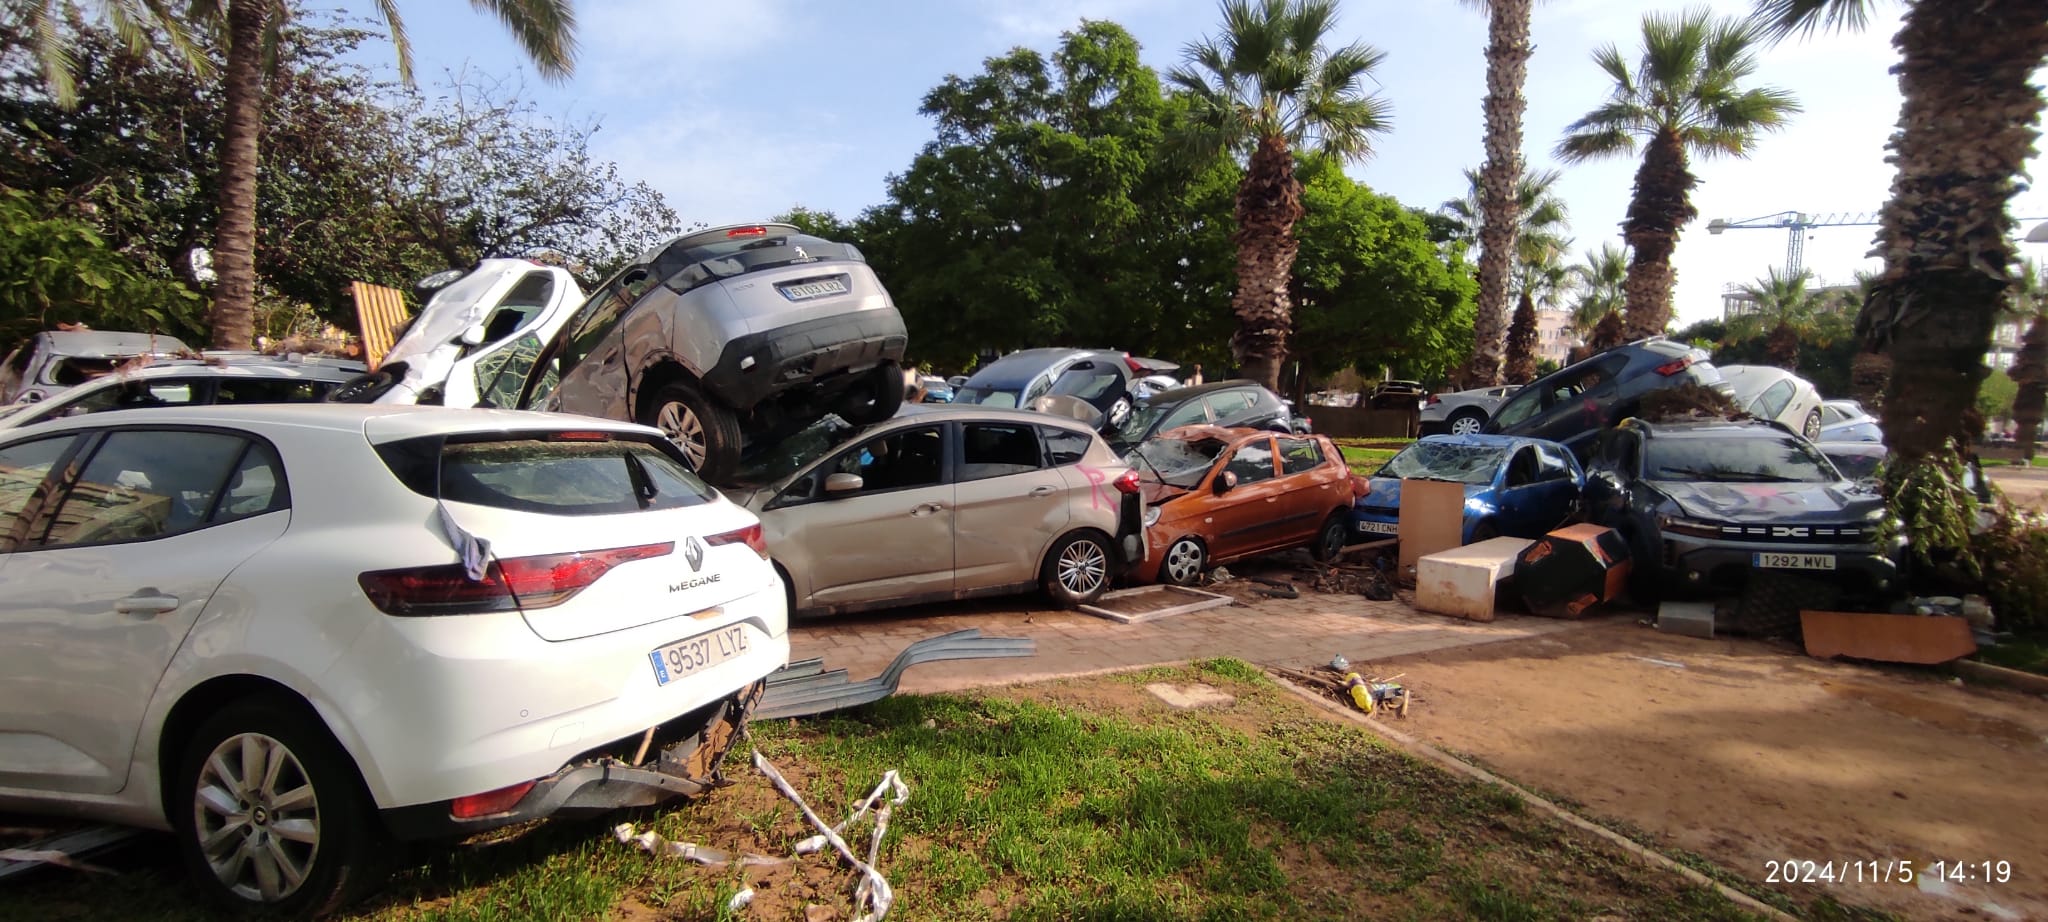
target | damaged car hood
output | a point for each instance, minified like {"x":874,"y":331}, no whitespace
{"x":1773,"y":502}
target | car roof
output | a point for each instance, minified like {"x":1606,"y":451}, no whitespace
{"x":1190,"y":392}
{"x":1479,"y":440}
{"x":380,"y":422}
{"x":104,"y":342}
{"x":1021,"y":366}
{"x":952,"y":412}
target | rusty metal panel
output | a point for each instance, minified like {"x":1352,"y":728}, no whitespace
{"x":380,"y":312}
{"x":1922,"y":639}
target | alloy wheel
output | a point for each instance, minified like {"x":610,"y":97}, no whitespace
{"x":1466,"y":425}
{"x":1812,"y":428}
{"x":1333,"y":540}
{"x":1184,"y":561}
{"x":1082,"y":568}
{"x":683,"y":428}
{"x":257,"y":817}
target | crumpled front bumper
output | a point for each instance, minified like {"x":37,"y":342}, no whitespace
{"x":683,"y":758}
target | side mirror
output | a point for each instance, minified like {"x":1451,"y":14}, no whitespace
{"x":473,"y":335}
{"x":1279,"y":425}
{"x":957,"y":381}
{"x":1226,"y":482}
{"x":842,"y":484}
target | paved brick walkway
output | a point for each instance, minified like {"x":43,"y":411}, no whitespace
{"x":1271,"y":632}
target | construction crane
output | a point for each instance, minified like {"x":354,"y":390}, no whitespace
{"x":1796,"y":223}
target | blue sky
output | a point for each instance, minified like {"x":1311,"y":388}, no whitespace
{"x":740,"y":109}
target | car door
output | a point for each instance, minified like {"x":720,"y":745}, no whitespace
{"x":889,"y":540}
{"x":1314,"y":488}
{"x":1009,"y":505}
{"x":1772,"y":402}
{"x":1244,"y":514}
{"x":111,"y":572}
{"x":1552,"y":497}
{"x":1576,"y":407}
{"x":517,"y":316}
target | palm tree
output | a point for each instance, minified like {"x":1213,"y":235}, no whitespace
{"x":1507,"y":69}
{"x":1262,"y":89}
{"x":2030,"y":367}
{"x":1540,"y":221}
{"x":1540,"y":285}
{"x":245,"y":30}
{"x":1964,"y":135}
{"x":1781,"y":299}
{"x":1681,"y":98}
{"x":134,"y":22}
{"x":1599,"y":281}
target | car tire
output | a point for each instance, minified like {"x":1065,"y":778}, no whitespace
{"x":212,"y":797}
{"x":707,"y":433}
{"x":1486,"y":530}
{"x":1811,"y":428}
{"x":367,"y":388}
{"x":1077,"y":569}
{"x":1467,"y":421}
{"x":1184,"y":562}
{"x":875,"y":399}
{"x":1645,"y":572}
{"x":1331,"y":538}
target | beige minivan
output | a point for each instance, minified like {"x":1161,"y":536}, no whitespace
{"x":944,"y":502}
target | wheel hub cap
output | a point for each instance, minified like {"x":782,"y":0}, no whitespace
{"x":683,"y":428}
{"x":1082,"y":567}
{"x":257,"y":817}
{"x":1182,"y":560}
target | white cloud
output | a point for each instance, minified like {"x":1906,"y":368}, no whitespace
{"x":645,"y":48}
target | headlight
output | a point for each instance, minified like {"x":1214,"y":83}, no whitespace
{"x":1151,"y":516}
{"x":1685,"y":526}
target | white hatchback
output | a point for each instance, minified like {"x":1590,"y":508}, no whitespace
{"x":293,"y":634}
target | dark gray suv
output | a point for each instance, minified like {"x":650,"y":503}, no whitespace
{"x":1571,"y":405}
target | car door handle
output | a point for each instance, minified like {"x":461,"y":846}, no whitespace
{"x":1041,"y":491}
{"x":924,"y":509}
{"x":140,"y":604}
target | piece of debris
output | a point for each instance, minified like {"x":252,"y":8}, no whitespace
{"x":1366,"y":581}
{"x":872,"y":898}
{"x":1373,"y":695}
{"x":27,"y":856}
{"x":64,"y":850}
{"x":1220,"y":575}
{"x":1339,"y":664}
{"x":806,"y":687}
{"x":1185,"y":697}
{"x":1689,"y":619}
{"x":1279,"y":589}
{"x":1148,"y":603}
{"x":1919,"y":639}
{"x":1668,"y":664}
{"x":1568,"y":571}
{"x":740,"y":900}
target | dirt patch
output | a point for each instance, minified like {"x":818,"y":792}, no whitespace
{"x":1749,"y":753}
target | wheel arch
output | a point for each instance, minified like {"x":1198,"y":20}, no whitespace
{"x":203,"y":700}
{"x":661,"y":371}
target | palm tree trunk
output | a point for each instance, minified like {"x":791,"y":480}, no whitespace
{"x":1507,"y":69}
{"x":2030,"y":371}
{"x":234,"y":245}
{"x":1521,"y":361}
{"x":1965,"y":131}
{"x":1661,"y":207}
{"x":1268,"y":204}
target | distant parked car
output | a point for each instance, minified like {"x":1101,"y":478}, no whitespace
{"x":1847,"y":421}
{"x":1774,"y":393}
{"x":1515,"y":487}
{"x":1220,"y":495}
{"x":1397,"y":395}
{"x":228,"y":378}
{"x":936,"y":390}
{"x":291,"y":635}
{"x":1705,"y":504}
{"x":1463,"y":412}
{"x":1229,"y":404}
{"x":1573,"y":404}
{"x":1100,"y":378}
{"x":944,"y":502}
{"x":476,"y":337}
{"x":729,"y":339}
{"x":54,"y":360}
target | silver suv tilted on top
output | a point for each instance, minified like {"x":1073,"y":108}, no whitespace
{"x":730,"y":339}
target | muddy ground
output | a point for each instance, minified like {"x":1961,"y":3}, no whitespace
{"x":1748,"y":753}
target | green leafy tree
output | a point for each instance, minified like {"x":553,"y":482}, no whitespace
{"x":1682,"y":97}
{"x":1267,"y":86}
{"x":55,"y":268}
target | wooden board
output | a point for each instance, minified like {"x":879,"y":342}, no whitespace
{"x":1432,"y":519}
{"x":1922,"y":639}
{"x":380,"y":311}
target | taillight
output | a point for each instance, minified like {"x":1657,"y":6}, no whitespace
{"x":543,"y":581}
{"x":1131,"y":362}
{"x":1676,"y":365}
{"x":1360,"y":487}
{"x":489,"y":802}
{"x":750,"y":536}
{"x":746,"y":232}
{"x":1432,"y":401}
{"x":582,"y":436}
{"x":1126,"y":483}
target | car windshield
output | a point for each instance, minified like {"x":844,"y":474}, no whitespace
{"x":1175,"y":461}
{"x":1137,"y":424}
{"x":1471,"y":464}
{"x":795,"y":453}
{"x":1858,"y":465}
{"x":1736,"y":460}
{"x":987,"y":396}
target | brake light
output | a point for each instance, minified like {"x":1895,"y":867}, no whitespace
{"x":1126,"y":483}
{"x":1432,"y":401}
{"x":1676,"y":365}
{"x":1131,"y":362}
{"x":750,"y":536}
{"x":746,"y":232}
{"x":580,"y":436}
{"x":1360,"y":487}
{"x":489,"y":802}
{"x":542,"y":581}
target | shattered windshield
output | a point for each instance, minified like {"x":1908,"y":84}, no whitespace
{"x":795,"y":453}
{"x":1175,"y":461}
{"x":1736,"y":460}
{"x":1468,"y":464}
{"x":987,"y":396}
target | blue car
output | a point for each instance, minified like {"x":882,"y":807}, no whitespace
{"x":1514,"y":486}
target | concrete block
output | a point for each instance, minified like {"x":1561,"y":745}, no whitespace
{"x":1691,"y":619}
{"x":1462,"y":581}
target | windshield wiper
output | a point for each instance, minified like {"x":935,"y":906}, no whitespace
{"x":644,"y":490}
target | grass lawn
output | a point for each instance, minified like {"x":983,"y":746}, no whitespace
{"x":2027,"y":652}
{"x":1086,"y":799}
{"x":1366,"y":455}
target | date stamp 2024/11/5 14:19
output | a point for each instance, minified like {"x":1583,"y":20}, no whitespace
{"x":1884,"y":871}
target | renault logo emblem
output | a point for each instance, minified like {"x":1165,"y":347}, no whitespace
{"x":693,"y":551}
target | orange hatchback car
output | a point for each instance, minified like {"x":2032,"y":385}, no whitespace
{"x":1218,"y":495}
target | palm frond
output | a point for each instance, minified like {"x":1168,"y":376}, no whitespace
{"x":394,"y":25}
{"x":545,"y":29}
{"x":1780,"y":18}
{"x":1594,"y":143}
